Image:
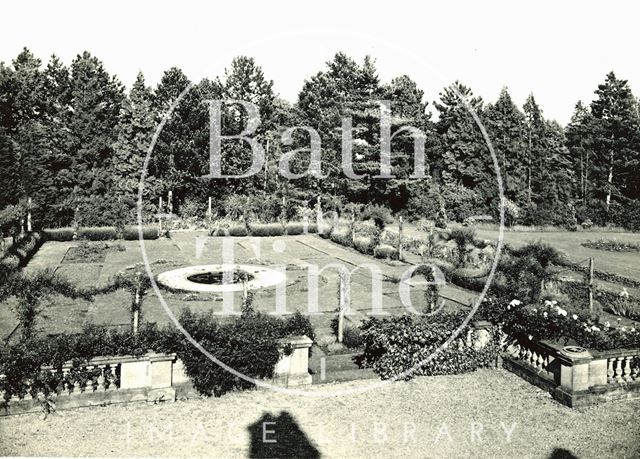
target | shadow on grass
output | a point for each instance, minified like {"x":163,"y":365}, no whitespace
{"x":561,"y":453}
{"x":279,"y":437}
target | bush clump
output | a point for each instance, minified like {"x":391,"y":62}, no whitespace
{"x":364,"y":244}
{"x":386,"y":252}
{"x":341,"y":236}
{"x":266,"y":229}
{"x":393,"y":346}
{"x":98,"y":233}
{"x":60,"y":234}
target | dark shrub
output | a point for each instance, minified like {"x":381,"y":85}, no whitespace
{"x":131,"y":233}
{"x":238,"y":231}
{"x":59,"y":234}
{"x":266,"y":229}
{"x":98,"y":233}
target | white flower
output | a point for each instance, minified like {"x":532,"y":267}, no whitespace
{"x":554,"y":302}
{"x":624,"y":294}
{"x":575,"y":317}
{"x":547,"y":303}
{"x":530,"y":337}
{"x":607,"y":324}
{"x":508,"y":307}
{"x":564,"y":312}
{"x":623,"y":329}
{"x":619,"y":319}
{"x":594,"y":328}
{"x":515,"y":302}
{"x":545,"y":314}
{"x":535,"y":309}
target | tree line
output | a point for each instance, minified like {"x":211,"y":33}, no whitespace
{"x":73,"y":143}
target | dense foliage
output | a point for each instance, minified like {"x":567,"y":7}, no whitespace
{"x":395,"y":345}
{"x":550,"y":321}
{"x":73,"y":143}
{"x":249,"y":345}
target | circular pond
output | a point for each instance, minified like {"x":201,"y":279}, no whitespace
{"x":220,"y":278}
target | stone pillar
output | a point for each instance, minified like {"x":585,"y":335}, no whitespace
{"x":293,"y":369}
{"x":574,"y":370}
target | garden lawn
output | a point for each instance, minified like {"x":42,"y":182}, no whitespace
{"x":440,"y":411}
{"x":623,"y":263}
{"x":193,"y":248}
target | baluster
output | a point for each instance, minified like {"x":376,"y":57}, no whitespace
{"x":540,"y":363}
{"x":101,"y":380}
{"x":619,"y":369}
{"x":609,"y":371}
{"x":627,"y":369}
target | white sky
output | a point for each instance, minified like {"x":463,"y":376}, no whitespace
{"x":559,"y":50}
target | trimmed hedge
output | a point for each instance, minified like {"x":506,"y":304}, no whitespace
{"x":385,"y":251}
{"x":98,"y":233}
{"x":266,"y":229}
{"x":295,"y":228}
{"x":395,"y":345}
{"x":60,"y":234}
{"x":131,"y":233}
{"x":249,"y":344}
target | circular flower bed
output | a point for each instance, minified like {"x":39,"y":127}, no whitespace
{"x":220,"y":278}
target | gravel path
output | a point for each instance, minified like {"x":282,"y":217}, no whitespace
{"x":490,"y":413}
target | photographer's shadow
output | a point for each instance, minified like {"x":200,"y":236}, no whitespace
{"x":279,"y":436}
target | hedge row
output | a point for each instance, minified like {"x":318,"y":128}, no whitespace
{"x":396,"y":345}
{"x":264,"y":230}
{"x":249,"y":344}
{"x":101,"y":233}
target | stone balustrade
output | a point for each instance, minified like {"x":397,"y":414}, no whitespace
{"x":577,"y":376}
{"x":153,"y":377}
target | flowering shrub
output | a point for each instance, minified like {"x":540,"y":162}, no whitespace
{"x":549,"y":321}
{"x":364,"y":244}
{"x":611,"y":245}
{"x":395,"y":345}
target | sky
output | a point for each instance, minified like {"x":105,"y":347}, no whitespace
{"x":558,"y":50}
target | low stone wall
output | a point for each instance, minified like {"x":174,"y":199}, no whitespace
{"x":153,"y":377}
{"x":574,"y":376}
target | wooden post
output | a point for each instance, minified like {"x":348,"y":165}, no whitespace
{"x":319,"y":215}
{"x":400,"y":257}
{"x":29,"y":215}
{"x":591,"y":286}
{"x":209,"y":212}
{"x":170,"y":202}
{"x":344,"y":301}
